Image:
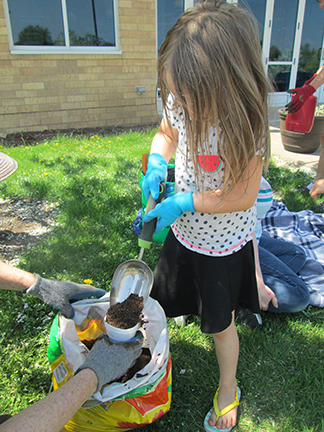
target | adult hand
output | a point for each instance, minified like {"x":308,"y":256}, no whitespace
{"x":266,"y":296}
{"x":301,"y":96}
{"x":318,"y":188}
{"x":58,"y":293}
{"x":170,"y":209}
{"x":110,"y":360}
{"x":157,"y":170}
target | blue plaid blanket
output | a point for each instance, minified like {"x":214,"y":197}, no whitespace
{"x":306,"y":229}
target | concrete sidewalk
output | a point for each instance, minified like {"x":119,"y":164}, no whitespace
{"x":302,"y":159}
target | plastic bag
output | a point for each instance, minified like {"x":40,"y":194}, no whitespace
{"x":120,"y":406}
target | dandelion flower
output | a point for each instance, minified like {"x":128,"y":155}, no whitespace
{"x":88,"y":281}
{"x":45,"y":174}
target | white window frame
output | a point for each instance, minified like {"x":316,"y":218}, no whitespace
{"x":67,"y":49}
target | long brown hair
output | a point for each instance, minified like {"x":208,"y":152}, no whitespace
{"x":213,"y":54}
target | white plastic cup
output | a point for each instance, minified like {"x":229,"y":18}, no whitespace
{"x":121,"y":335}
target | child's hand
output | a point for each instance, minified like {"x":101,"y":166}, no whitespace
{"x":157,"y":170}
{"x":170,"y":209}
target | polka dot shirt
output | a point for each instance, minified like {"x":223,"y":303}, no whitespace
{"x":216,"y":234}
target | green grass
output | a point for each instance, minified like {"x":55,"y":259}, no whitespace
{"x":94,"y":183}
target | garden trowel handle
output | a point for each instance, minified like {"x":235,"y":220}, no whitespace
{"x":146,"y":237}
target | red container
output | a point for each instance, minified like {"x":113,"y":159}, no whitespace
{"x":302,"y":121}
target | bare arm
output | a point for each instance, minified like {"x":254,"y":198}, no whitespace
{"x":165,"y":140}
{"x":266,"y":295}
{"x":241,"y":198}
{"x":55,"y":410}
{"x":319,"y":79}
{"x":106,"y":362}
{"x":12,"y":278}
{"x":319,"y":179}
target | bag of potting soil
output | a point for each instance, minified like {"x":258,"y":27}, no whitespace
{"x":137,"y":400}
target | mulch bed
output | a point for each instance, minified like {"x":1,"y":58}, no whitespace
{"x":32,"y":138}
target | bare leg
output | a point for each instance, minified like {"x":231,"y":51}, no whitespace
{"x":227,"y":352}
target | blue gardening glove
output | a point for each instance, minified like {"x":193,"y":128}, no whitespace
{"x":58,"y":293}
{"x":170,"y":209}
{"x":157,"y":170}
{"x":137,"y":225}
{"x":110,"y":360}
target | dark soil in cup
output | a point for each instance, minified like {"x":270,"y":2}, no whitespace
{"x":126,"y":314}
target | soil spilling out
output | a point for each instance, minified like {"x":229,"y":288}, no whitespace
{"x":126,"y":314}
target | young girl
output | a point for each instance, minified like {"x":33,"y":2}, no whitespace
{"x":214,"y":93}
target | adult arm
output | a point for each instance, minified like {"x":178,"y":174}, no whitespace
{"x":52,"y":292}
{"x":266,"y":295}
{"x":106,"y":362}
{"x":55,"y":410}
{"x":318,"y":79}
{"x":12,"y":278}
{"x":318,"y":186}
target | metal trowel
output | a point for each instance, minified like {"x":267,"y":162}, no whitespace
{"x":134,"y":276}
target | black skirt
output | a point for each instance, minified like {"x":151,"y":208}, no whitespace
{"x":186,"y":282}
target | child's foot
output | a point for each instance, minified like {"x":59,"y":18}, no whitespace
{"x":224,"y":415}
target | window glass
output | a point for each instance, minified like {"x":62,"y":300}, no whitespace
{"x":36,"y":22}
{"x":311,"y":43}
{"x":279,"y":76}
{"x":283,"y":30}
{"x":258,"y":9}
{"x":168,"y":11}
{"x":91,"y":22}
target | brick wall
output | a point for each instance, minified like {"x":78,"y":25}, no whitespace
{"x":40,"y":92}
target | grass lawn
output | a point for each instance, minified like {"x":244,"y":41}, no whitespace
{"x":94,"y":183}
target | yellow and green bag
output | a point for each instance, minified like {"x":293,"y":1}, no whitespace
{"x":119,"y":406}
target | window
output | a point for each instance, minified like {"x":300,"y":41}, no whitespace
{"x":168,"y":11}
{"x":62,"y":26}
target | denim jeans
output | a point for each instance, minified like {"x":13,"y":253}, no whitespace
{"x":280,"y":262}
